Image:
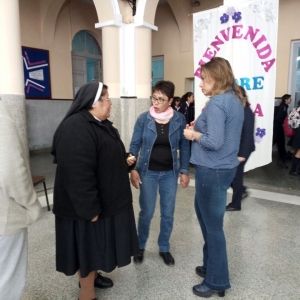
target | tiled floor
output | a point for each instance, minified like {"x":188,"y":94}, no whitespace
{"x":263,"y":245}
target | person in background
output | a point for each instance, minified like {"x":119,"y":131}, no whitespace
{"x":216,"y":138}
{"x":295,"y":144}
{"x":176,"y":103}
{"x":19,"y":207}
{"x":186,"y":100}
{"x":156,"y":139}
{"x":280,"y":114}
{"x":247,"y":146}
{"x":94,"y":218}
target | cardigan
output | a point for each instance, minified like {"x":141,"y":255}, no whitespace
{"x":92,"y":174}
{"x":19,"y":205}
{"x":221,"y":124}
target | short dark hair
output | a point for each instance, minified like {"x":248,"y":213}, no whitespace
{"x":285,"y":97}
{"x":165,"y":87}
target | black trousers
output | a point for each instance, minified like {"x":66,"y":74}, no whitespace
{"x":279,"y":139}
{"x":238,"y":186}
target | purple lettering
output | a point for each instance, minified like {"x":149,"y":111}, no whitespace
{"x":264,"y":52}
{"x":258,"y":111}
{"x":236,"y":31}
{"x":251,"y":33}
{"x":268,"y":64}
{"x":217,"y":42}
{"x":225,"y":36}
{"x":259,"y":41}
{"x":209,"y":54}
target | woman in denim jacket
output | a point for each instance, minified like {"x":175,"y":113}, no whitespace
{"x":216,"y":138}
{"x":157,"y":137}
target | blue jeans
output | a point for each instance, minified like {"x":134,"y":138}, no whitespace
{"x":166,"y":183}
{"x":210,"y":204}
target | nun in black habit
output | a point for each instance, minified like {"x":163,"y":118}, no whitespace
{"x":94,"y":218}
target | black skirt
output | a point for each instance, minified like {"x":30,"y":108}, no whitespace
{"x":296,"y":139}
{"x":102,"y":245}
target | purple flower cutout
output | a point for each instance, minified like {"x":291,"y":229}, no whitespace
{"x":260,"y":132}
{"x":237,"y":16}
{"x":230,"y":11}
{"x":224,"y":18}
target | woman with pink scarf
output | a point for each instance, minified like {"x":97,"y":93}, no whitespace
{"x":157,"y":137}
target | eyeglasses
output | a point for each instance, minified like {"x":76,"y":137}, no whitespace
{"x":159,"y":100}
{"x":107,"y":99}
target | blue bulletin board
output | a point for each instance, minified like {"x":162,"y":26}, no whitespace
{"x":36,"y":68}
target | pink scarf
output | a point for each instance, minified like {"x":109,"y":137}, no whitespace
{"x":164,"y":116}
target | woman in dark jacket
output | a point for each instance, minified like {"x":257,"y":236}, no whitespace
{"x":278,"y":133}
{"x":186,"y":107}
{"x":247,"y":146}
{"x":94,"y":219}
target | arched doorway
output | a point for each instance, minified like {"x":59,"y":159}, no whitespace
{"x":86,"y":60}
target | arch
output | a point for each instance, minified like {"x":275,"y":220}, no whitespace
{"x":48,"y":25}
{"x":181,"y":11}
{"x":84,"y":40}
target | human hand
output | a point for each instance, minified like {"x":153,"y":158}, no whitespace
{"x":188,"y":133}
{"x":135,"y":179}
{"x":131,"y":159}
{"x":184,"y":180}
{"x":187,"y":126}
{"x":193,"y":123}
{"x":241,"y":159}
{"x":95,"y":219}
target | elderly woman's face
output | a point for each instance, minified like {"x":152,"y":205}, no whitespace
{"x":206,"y":85}
{"x":101,"y":109}
{"x":160,"y":102}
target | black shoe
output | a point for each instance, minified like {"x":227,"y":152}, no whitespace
{"x":168,"y":258}
{"x":138,"y":259}
{"x":231,"y":208}
{"x":102,"y":282}
{"x":294,"y":174}
{"x":200,"y":271}
{"x":202,"y":290}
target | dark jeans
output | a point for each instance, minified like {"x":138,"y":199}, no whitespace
{"x":238,"y":186}
{"x":210,"y":204}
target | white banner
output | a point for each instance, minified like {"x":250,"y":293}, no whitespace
{"x":245,"y":33}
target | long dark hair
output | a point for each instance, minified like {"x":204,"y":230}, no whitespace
{"x":185,"y":97}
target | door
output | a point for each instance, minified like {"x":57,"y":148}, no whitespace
{"x":294,"y":78}
{"x":79,"y":72}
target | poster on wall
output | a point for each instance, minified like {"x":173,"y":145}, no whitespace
{"x":245,"y":33}
{"x":36,"y":68}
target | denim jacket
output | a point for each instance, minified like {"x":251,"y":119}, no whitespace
{"x":144,"y":136}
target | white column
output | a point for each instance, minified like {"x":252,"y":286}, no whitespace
{"x":11,"y":75}
{"x":11,"y":66}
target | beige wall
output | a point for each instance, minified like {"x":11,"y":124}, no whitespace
{"x":166,"y":41}
{"x":51,"y":25}
{"x":179,"y":64}
{"x":288,"y":31}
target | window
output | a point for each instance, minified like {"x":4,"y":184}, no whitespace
{"x":157,"y":69}
{"x":86,"y":60}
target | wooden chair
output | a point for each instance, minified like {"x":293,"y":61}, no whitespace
{"x":41,"y":179}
